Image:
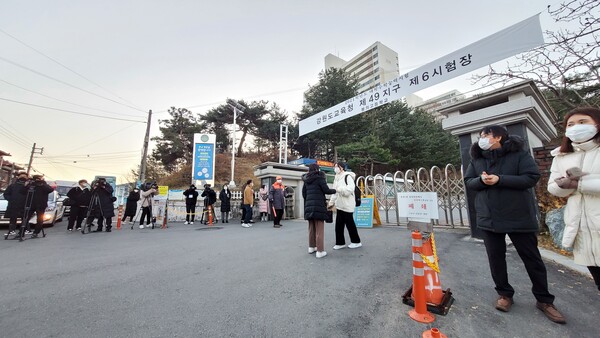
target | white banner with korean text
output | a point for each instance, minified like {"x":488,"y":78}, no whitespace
{"x":508,"y":42}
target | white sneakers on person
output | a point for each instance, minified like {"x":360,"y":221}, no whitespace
{"x":191,"y":222}
{"x":354,"y":245}
{"x":321,"y":254}
{"x":245,"y":225}
{"x":28,"y":232}
{"x":337,"y":247}
{"x":312,"y":250}
{"x":186,"y":222}
{"x":141,"y":226}
{"x":12,"y":233}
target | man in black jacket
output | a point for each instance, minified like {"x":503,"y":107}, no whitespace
{"x":502,"y":174}
{"x":191,"y":197}
{"x":210,"y":197}
{"x":37,"y":201}
{"x":101,"y":204}
{"x":80,"y":200}
{"x":15,"y":195}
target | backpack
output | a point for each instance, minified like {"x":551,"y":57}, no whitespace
{"x":356,"y":192}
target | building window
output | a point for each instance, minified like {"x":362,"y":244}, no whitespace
{"x":375,"y":48}
{"x":375,"y":63}
{"x":374,"y":55}
{"x":376,"y":77}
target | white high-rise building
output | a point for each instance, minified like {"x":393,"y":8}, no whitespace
{"x":375,"y":65}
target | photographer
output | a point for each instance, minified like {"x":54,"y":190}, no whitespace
{"x":39,"y":190}
{"x":210,"y":197}
{"x":191,"y":197}
{"x":80,"y":199}
{"x":101,"y":204}
{"x":148,"y":191}
{"x":15,"y":194}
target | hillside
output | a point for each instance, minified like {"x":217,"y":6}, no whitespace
{"x":243,"y":171}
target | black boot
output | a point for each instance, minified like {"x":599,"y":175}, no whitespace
{"x":108,"y":228}
{"x":99,"y":229}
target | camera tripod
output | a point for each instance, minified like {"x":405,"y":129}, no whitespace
{"x":26,"y":215}
{"x":95,"y":200}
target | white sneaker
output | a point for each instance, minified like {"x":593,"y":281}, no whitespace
{"x":245,"y":225}
{"x":312,"y":250}
{"x":321,"y":254}
{"x":28,"y":232}
{"x":10,"y":233}
{"x":249,"y":225}
{"x":337,"y":247}
{"x":355,"y":245}
{"x":186,"y":222}
{"x":141,"y":226}
{"x":191,"y":222}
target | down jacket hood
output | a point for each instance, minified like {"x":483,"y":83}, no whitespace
{"x":513,"y":144}
{"x":311,"y":177}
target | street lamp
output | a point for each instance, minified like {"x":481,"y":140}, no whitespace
{"x":235,"y":106}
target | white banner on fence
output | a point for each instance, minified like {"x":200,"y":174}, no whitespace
{"x":418,"y":205}
{"x":510,"y":41}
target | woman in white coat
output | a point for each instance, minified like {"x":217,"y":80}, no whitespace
{"x":575,"y":174}
{"x":345,"y":204}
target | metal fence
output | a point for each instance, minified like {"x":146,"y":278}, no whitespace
{"x":447,"y":183}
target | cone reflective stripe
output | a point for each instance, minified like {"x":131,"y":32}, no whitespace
{"x":433,"y":333}
{"x":433,"y":286}
{"x":419,"y":313}
{"x":210,"y":215}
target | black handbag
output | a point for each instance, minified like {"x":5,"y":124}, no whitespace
{"x":329,"y":218}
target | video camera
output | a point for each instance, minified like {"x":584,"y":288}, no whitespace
{"x":100,"y":183}
{"x":149,"y":185}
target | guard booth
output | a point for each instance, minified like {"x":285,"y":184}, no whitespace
{"x":521,"y":107}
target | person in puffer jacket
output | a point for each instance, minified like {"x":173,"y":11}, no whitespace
{"x":344,"y":202}
{"x":575,"y":173}
{"x":501,"y":175}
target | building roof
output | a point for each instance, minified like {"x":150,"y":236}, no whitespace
{"x":3,"y":153}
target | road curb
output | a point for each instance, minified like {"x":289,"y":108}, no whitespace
{"x":565,"y":261}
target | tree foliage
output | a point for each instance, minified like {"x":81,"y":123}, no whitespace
{"x":335,"y":86}
{"x":174,"y":147}
{"x":259,"y":119}
{"x":567,"y":66}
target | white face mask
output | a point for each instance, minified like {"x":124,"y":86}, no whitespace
{"x":484,"y":143}
{"x":225,"y":187}
{"x":279,"y":181}
{"x":581,"y":132}
{"x":336,"y":170}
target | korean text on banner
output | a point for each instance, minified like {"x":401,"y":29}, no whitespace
{"x":508,"y":42}
{"x":203,"y":167}
{"x":418,"y":205}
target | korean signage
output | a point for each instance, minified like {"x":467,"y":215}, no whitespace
{"x":421,"y":205}
{"x":363,"y":214}
{"x":203,"y":167}
{"x":515,"y":39}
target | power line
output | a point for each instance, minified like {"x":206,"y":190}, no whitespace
{"x":247,"y":97}
{"x":65,"y":67}
{"x":75,"y":104}
{"x":70,"y":111}
{"x":66,"y":83}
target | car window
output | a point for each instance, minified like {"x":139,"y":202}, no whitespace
{"x":2,"y":196}
{"x":51,"y":197}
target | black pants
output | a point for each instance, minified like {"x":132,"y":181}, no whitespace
{"x":345,"y":219}
{"x":190,"y":212}
{"x":39,"y":222}
{"x":595,"y":271}
{"x":76,"y":216}
{"x":101,"y":220}
{"x":277,"y":217}
{"x":248,"y":213}
{"x":12,"y":225}
{"x":146,"y":212}
{"x":526,"y":245}
{"x":130,"y":218}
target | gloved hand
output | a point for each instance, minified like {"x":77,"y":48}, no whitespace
{"x":567,"y":183}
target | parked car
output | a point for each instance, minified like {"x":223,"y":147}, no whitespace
{"x":54,"y":212}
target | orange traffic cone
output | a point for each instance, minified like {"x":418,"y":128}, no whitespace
{"x":433,"y":333}
{"x":119,"y":215}
{"x":419,"y":313}
{"x":433,"y":286}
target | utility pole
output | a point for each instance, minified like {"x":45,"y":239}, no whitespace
{"x":145,"y":152}
{"x":235,"y":106}
{"x":33,"y":151}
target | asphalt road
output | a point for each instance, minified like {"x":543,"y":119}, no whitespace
{"x":261,"y":282}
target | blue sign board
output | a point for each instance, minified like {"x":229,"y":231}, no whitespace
{"x":363,"y":214}
{"x":204,"y":161}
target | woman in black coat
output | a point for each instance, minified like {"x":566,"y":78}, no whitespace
{"x":502,"y":174}
{"x":315,"y":208}
{"x":225,"y":198}
{"x":131,"y":206}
